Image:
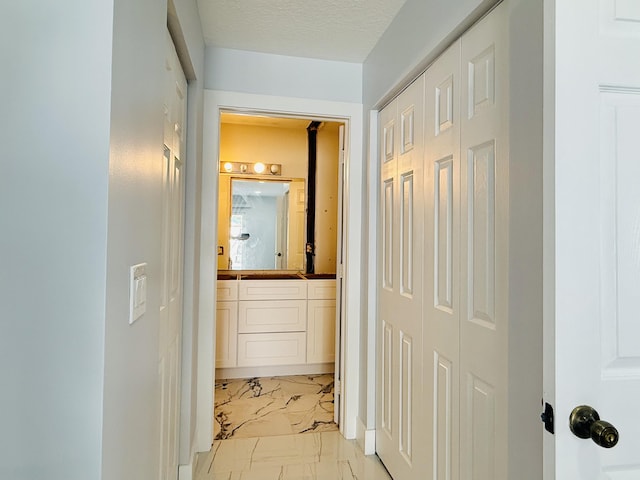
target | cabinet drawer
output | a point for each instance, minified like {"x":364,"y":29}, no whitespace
{"x":272,"y":289}
{"x":227,"y":290}
{"x":257,"y":349}
{"x":272,"y":316}
{"x":321,"y":289}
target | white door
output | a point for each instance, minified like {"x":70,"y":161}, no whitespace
{"x":592,"y":254}
{"x":172,"y":258}
{"x":460,"y":356}
{"x":484,"y":252}
{"x":441,"y":337}
{"x":338,"y":371}
{"x":399,"y":433}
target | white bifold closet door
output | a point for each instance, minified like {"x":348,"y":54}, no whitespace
{"x":400,"y":317}
{"x":442,"y":264}
{"x":455,"y":426}
{"x":173,"y":184}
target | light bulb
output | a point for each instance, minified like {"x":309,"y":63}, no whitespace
{"x":228,"y":166}
{"x":259,"y":167}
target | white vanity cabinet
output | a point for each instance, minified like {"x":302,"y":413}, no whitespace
{"x":272,"y":322}
{"x":280,"y":324}
{"x":227,"y":323}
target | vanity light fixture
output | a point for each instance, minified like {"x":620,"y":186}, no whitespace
{"x":258,"y":168}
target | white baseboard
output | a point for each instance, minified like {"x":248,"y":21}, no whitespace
{"x":185,"y":472}
{"x":274,"y":370}
{"x":366,"y":439}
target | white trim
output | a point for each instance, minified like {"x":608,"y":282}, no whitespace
{"x":352,"y":114}
{"x":373,"y":199}
{"x":185,"y":472}
{"x":366,"y":439}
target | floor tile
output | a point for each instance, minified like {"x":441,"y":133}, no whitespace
{"x":318,"y":456}
{"x":273,"y":406}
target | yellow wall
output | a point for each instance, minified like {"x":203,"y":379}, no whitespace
{"x":327,"y":198}
{"x":288,"y":147}
{"x":250,"y":143}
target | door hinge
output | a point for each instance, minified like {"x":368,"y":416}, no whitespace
{"x":547,"y":418}
{"x":340,"y":271}
{"x":338,"y":387}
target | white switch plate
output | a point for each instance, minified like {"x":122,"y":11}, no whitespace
{"x":137,"y":291}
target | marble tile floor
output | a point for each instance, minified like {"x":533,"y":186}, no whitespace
{"x":314,"y":456}
{"x":260,"y":407}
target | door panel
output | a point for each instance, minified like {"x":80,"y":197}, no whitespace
{"x":442,"y":260}
{"x":170,"y":341}
{"x":226,"y":334}
{"x":484,"y":176}
{"x":594,"y":252}
{"x":400,"y":369}
{"x":406,"y":234}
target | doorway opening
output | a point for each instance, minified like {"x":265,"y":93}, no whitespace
{"x":350,"y":274}
{"x":278,"y":308}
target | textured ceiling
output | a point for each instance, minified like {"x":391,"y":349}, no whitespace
{"x":342,"y":30}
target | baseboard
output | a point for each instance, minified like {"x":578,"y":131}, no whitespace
{"x":366,"y":439}
{"x":185,"y":472}
{"x":274,"y":370}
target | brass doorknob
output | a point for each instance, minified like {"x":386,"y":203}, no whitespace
{"x":585,"y":422}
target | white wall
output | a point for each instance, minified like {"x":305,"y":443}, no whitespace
{"x":525,"y":238}
{"x":131,"y":386}
{"x":268,"y":74}
{"x":132,"y":393}
{"x":56,"y":81}
{"x":79,"y":202}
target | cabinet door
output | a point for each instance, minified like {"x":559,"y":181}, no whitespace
{"x":321,"y":331}
{"x":226,"y":334}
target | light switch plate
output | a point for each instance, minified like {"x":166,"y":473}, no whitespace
{"x":137,"y":291}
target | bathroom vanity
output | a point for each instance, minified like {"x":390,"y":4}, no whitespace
{"x":275,"y":324}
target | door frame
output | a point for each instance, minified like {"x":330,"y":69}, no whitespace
{"x":352,"y":115}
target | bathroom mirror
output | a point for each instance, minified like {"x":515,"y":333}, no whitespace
{"x":266,"y":224}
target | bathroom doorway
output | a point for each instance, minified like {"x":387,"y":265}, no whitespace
{"x":279,"y":252}
{"x":351,"y":276}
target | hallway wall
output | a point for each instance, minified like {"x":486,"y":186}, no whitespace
{"x":268,"y":74}
{"x":132,"y":389}
{"x":53,"y":212}
{"x":79,"y":203}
